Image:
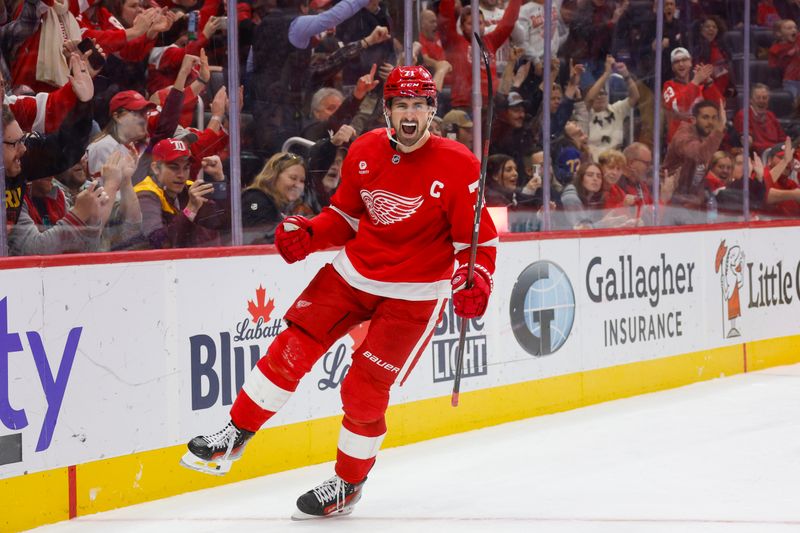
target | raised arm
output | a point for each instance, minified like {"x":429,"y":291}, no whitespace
{"x":303,"y":28}
{"x":448,"y":22}
{"x":593,"y":91}
{"x":52,"y":154}
{"x":633,"y":89}
{"x":506,"y":25}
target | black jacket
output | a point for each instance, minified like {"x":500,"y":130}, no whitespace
{"x":48,"y":155}
{"x":260,"y":217}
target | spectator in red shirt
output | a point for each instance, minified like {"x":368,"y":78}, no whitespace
{"x":128,"y":68}
{"x":768,"y":196}
{"x":431,"y":49}
{"x":37,"y":63}
{"x":785,"y":55}
{"x":164,"y":62}
{"x":783,"y":191}
{"x":765,"y":130}
{"x":719,"y":171}
{"x":113,"y":35}
{"x":458,"y":48}
{"x":624,"y":183}
{"x":710,"y":50}
{"x":429,"y":36}
{"x":15,"y":32}
{"x":612,"y":163}
{"x":687,"y":87}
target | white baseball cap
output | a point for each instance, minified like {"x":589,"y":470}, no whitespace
{"x":679,"y":53}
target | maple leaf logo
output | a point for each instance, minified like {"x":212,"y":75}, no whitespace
{"x":260,"y":309}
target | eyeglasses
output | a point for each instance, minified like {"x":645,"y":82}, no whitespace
{"x":14,"y":144}
{"x":287,"y":157}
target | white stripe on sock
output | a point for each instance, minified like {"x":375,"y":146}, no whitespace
{"x":358,"y":446}
{"x":264,"y":392}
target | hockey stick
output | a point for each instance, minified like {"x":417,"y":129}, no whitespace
{"x":473,"y":249}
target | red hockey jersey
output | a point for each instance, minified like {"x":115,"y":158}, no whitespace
{"x":678,"y":99}
{"x":413,"y":215}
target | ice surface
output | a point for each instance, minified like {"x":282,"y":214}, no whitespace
{"x":719,"y":456}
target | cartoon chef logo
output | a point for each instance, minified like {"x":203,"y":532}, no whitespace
{"x":729,"y":264}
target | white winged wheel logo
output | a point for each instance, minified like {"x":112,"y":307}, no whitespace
{"x":387,"y":207}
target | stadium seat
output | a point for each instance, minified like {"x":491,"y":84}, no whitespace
{"x":251,"y":165}
{"x":734,"y":40}
{"x":790,"y":126}
{"x":761,"y":38}
{"x":781,"y":103}
{"x":760,"y":72}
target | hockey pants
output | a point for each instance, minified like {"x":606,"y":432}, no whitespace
{"x":327,"y":309}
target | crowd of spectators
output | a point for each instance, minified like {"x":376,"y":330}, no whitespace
{"x":115,"y":115}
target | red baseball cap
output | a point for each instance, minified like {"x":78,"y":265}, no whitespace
{"x":130,"y":100}
{"x":171,"y":149}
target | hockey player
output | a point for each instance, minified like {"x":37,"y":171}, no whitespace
{"x":404,"y":212}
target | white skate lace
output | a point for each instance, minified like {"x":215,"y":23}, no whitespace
{"x":226,"y":437}
{"x":334,"y":488}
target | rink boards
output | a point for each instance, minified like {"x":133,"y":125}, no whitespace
{"x":114,"y":362}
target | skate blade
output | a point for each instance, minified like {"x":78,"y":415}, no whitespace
{"x":300,"y":515}
{"x":214,"y":468}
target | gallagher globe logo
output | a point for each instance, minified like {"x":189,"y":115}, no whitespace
{"x":542,"y":308}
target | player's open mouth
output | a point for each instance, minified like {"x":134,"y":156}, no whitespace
{"x":409,"y":128}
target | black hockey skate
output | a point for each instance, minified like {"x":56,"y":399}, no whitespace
{"x":334,"y":497}
{"x":214,"y":454}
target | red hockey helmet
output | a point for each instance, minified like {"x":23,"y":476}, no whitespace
{"x":410,"y":82}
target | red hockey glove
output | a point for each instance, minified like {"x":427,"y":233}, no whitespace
{"x":293,"y":238}
{"x":471,"y":302}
